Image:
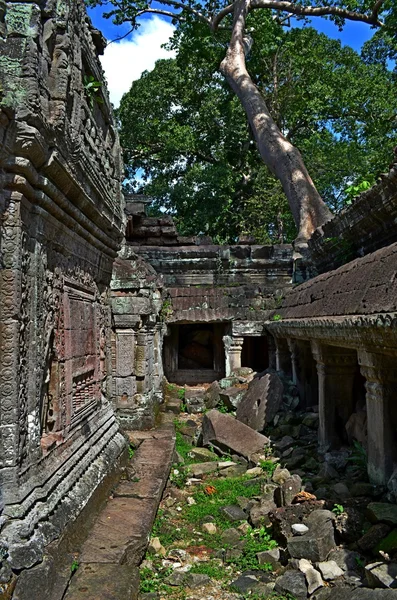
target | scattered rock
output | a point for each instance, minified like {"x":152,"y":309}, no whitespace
{"x":382,"y":575}
{"x":259,"y":513}
{"x":261,"y":401}
{"x":287,"y":491}
{"x":227,"y":433}
{"x":382,"y":512}
{"x":313,"y":577}
{"x":203,"y":454}
{"x":254,"y":472}
{"x":232,"y":397}
{"x":155,"y":547}
{"x":347,"y":560}
{"x":199,"y":469}
{"x":292,"y":582}
{"x":286,"y":442}
{"x":299,"y":529}
{"x":341,"y":490}
{"x":280,"y":475}
{"x":244,"y":583}
{"x":269,"y":557}
{"x":231,"y":536}
{"x":373,"y":536}
{"x":330,"y":570}
{"x":176,"y":579}
{"x":211,"y":396}
{"x":194,"y":580}
{"x":209,"y":528}
{"x":234,"y":513}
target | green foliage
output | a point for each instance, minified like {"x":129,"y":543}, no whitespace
{"x":92,"y":88}
{"x":131,"y":451}
{"x":208,"y":568}
{"x":183,"y":126}
{"x":268,"y":466}
{"x":166,"y":310}
{"x":352,"y":191}
{"x":276,"y":317}
{"x":181,"y":393}
{"x":151,"y":581}
{"x":74,"y":566}
{"x":338,"y":509}
{"x":256,"y":541}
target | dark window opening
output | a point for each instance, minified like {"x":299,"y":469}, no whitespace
{"x":194,"y":353}
{"x":255,"y":353}
{"x":196,"y":347}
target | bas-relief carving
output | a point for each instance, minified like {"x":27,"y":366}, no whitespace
{"x":61,"y":223}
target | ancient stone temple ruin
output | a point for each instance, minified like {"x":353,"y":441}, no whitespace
{"x":99,"y":303}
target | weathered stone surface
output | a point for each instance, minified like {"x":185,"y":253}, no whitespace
{"x":292,"y":582}
{"x":261,"y":402}
{"x":329,"y":570}
{"x":259,"y":512}
{"x":231,"y":397}
{"x":382,"y":511}
{"x":382,"y":575}
{"x":318,"y":542}
{"x":269,"y":557}
{"x":104,"y":582}
{"x":233,"y":513}
{"x":313,"y":577}
{"x":212,"y":395}
{"x":227,"y":433}
{"x":373,"y":536}
{"x":288,"y":490}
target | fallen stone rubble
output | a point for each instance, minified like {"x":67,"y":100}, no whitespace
{"x":336,"y":533}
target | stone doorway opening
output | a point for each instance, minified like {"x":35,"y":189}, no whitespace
{"x":194,"y":353}
{"x":255,"y":353}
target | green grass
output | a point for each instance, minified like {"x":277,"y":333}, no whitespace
{"x":227,"y":492}
{"x":183,"y":447}
{"x":256,"y":541}
{"x":207,"y":568}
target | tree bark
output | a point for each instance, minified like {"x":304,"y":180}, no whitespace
{"x":282,"y":158}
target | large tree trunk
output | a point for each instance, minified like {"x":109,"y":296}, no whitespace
{"x":282,"y":158}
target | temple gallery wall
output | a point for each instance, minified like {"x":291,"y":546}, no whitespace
{"x":99,"y":302}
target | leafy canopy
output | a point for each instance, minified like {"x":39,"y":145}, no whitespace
{"x":186,"y":135}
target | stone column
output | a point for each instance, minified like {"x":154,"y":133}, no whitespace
{"x":283,"y":357}
{"x":125,"y":384}
{"x":336,"y":368}
{"x":293,"y":348}
{"x":380,"y":371}
{"x":233,"y":348}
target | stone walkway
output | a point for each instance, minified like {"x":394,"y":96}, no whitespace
{"x":117,"y":542}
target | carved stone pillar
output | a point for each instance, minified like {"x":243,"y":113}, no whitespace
{"x":233,"y":348}
{"x":380,"y":372}
{"x":294,"y":350}
{"x":336,"y":369}
{"x":283,"y":357}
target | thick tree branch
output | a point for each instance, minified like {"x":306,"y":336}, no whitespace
{"x":306,"y":11}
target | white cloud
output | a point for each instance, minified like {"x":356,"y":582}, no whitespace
{"x":124,"y":61}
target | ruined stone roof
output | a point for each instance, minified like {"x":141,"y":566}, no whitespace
{"x":364,"y":286}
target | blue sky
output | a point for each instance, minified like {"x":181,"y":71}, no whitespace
{"x":125,"y":61}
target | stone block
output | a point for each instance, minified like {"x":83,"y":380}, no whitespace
{"x":228,"y":434}
{"x":319,"y":541}
{"x":261,"y":402}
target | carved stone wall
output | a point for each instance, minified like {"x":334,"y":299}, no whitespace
{"x":61,"y":226}
{"x":137,"y":341}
